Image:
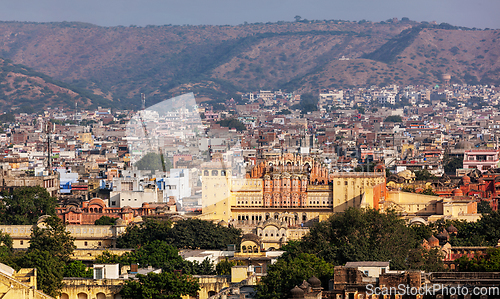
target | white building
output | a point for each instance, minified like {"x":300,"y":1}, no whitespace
{"x":176,"y":184}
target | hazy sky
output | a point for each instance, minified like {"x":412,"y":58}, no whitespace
{"x":469,"y":13}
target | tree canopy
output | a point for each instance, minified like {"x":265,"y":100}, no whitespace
{"x":363,"y":235}
{"x":484,"y":232}
{"x":159,"y":254}
{"x":288,"y":272}
{"x":489,"y":262}
{"x":166,"y":285}
{"x":24,"y":205}
{"x":105,"y":220}
{"x":77,"y":269}
{"x":52,"y":236}
{"x":185,"y":234}
{"x":308,"y":103}
{"x":355,"y":235}
{"x":50,"y":269}
{"x":153,"y":161}
{"x":393,"y":119}
{"x":232,"y":123}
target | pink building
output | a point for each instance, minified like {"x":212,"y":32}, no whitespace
{"x":482,"y":159}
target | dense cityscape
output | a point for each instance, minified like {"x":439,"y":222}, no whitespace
{"x":372,"y":188}
{"x":259,"y":149}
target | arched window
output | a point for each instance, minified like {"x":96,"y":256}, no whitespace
{"x":223,"y":173}
{"x":215,"y":172}
{"x":244,"y":249}
{"x":205,"y":173}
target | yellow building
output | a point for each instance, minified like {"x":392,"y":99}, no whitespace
{"x":86,"y":138}
{"x":427,"y":208}
{"x":20,"y":284}
{"x":289,"y":188}
{"x":87,"y":237}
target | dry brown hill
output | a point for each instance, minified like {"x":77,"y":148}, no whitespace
{"x":118,"y":63}
{"x":24,"y":90}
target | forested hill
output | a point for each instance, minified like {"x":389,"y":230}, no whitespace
{"x":118,"y":63}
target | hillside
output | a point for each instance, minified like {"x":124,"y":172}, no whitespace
{"x":215,"y":62}
{"x":25,"y":90}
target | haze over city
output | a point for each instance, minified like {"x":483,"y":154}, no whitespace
{"x":479,"y":14}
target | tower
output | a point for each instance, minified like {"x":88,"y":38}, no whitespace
{"x":143,"y":99}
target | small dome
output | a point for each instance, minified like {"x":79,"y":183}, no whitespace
{"x":433,"y":241}
{"x":120,"y":222}
{"x":314,"y":282}
{"x":466,"y":178}
{"x":145,"y":205}
{"x":452,"y":229}
{"x":458,"y":192}
{"x":297,"y":292}
{"x":305,"y":285}
{"x":223,"y":223}
{"x":443,"y":235}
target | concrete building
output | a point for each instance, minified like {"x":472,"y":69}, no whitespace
{"x":482,"y":159}
{"x":20,"y":284}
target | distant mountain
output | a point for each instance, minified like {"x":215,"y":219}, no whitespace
{"x":216,"y":62}
{"x":25,"y":90}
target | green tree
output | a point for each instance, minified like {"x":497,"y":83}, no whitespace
{"x":149,"y":231}
{"x":50,"y":269}
{"x":428,"y":191}
{"x":51,"y":236}
{"x":196,"y":233}
{"x":484,"y":207}
{"x":427,"y":260}
{"x":284,"y":112}
{"x":77,"y":269}
{"x":362,"y":235}
{"x":489,"y":262}
{"x":153,"y":161}
{"x":110,"y":258}
{"x":158,"y":254}
{"x":224,"y":267}
{"x":286,"y":273}
{"x":422,"y":232}
{"x":451,"y":165}
{"x":105,"y":220}
{"x":424,"y":175}
{"x":189,"y":233}
{"x":24,"y":205}
{"x":6,"y":250}
{"x":232,"y":123}
{"x":308,"y":103}
{"x":393,"y":119}
{"x":165,"y":285}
